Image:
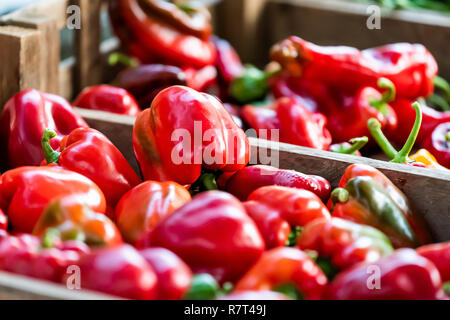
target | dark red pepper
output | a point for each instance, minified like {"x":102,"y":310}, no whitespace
{"x":439,"y":254}
{"x":250,"y":178}
{"x":229,"y":64}
{"x":438,"y":144}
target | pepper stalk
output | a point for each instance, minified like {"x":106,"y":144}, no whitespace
{"x":50,"y":155}
{"x":387,"y":96}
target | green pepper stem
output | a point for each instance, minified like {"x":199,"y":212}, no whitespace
{"x":442,"y":84}
{"x":50,"y":155}
{"x":203,"y":287}
{"x":118,"y":57}
{"x":447,"y":136}
{"x":375,"y":129}
{"x":446,"y":288}
{"x":209,"y":181}
{"x":49,"y":238}
{"x":357,"y":144}
{"x":387,"y":96}
{"x":339,"y":195}
{"x":402,"y":155}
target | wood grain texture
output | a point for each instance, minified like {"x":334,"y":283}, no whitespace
{"x":20,"y":58}
{"x":427,"y":189}
{"x":50,"y":47}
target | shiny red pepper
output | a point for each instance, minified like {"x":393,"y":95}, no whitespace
{"x":282,"y":268}
{"x":403,"y":275}
{"x":26,"y":191}
{"x":3,"y":220}
{"x":439,"y":254}
{"x":85,"y":150}
{"x":430,"y":119}
{"x":119,"y":271}
{"x":185,"y":131}
{"x":107,"y":98}
{"x":350,"y":119}
{"x":413,"y":221}
{"x":277,"y":210}
{"x":23,"y":254}
{"x":200,"y":79}
{"x":144,"y":206}
{"x":174,"y":276}
{"x":250,"y":178}
{"x":23,"y":121}
{"x":438,"y":143}
{"x":229,"y":64}
{"x":343,"y":243}
{"x":411,"y":67}
{"x":160,"y":38}
{"x":296,"y":124}
{"x":213,"y":234}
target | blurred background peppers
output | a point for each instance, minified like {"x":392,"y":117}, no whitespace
{"x":205,"y":136}
{"x":26,"y":191}
{"x":24,"y":120}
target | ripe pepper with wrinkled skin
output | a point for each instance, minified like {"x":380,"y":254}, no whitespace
{"x":24,"y":120}
{"x":363,"y":200}
{"x":350,"y":119}
{"x":85,"y":150}
{"x":245,"y":181}
{"x":108,"y":98}
{"x":276,"y":210}
{"x":283,"y":267}
{"x":145,"y":81}
{"x":161,"y":39}
{"x":431,"y":119}
{"x":3,"y":220}
{"x":119,"y":271}
{"x":174,"y":276}
{"x":26,"y":191}
{"x":439,"y":254}
{"x":67,"y":219}
{"x":23,"y":254}
{"x":212,"y":234}
{"x":398,"y":197}
{"x":411,"y":67}
{"x":343,"y":243}
{"x":141,"y":208}
{"x":422,"y":158}
{"x":185,"y":131}
{"x":296,"y":124}
{"x":402,"y":275}
{"x":438,"y":143}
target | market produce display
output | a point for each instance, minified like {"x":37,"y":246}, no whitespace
{"x":201,"y":220}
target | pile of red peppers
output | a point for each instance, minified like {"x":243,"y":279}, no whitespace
{"x":201,"y":220}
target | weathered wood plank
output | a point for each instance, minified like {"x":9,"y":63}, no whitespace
{"x":20,"y":66}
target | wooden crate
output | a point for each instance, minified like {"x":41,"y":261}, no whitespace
{"x":32,"y":60}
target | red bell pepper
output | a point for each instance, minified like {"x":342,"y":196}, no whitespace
{"x":23,"y":121}
{"x":3,"y":220}
{"x":200,"y":79}
{"x":421,"y":159}
{"x":430,"y":119}
{"x":439,"y":254}
{"x":174,"y":276}
{"x":350,"y":119}
{"x":145,"y":81}
{"x":68,"y":219}
{"x":438,"y":143}
{"x":213,"y":234}
{"x":186,"y":130}
{"x":296,"y":124}
{"x":411,"y":67}
{"x":108,"y":98}
{"x":402,"y":224}
{"x":24,"y":254}
{"x":250,"y":178}
{"x":280,"y":269}
{"x":119,"y":271}
{"x":399,"y":276}
{"x":229,"y":64}
{"x":340,"y":243}
{"x":141,"y":208}
{"x":85,"y":150}
{"x":277,"y":210}
{"x":161,"y":39}
{"x":26,"y":191}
